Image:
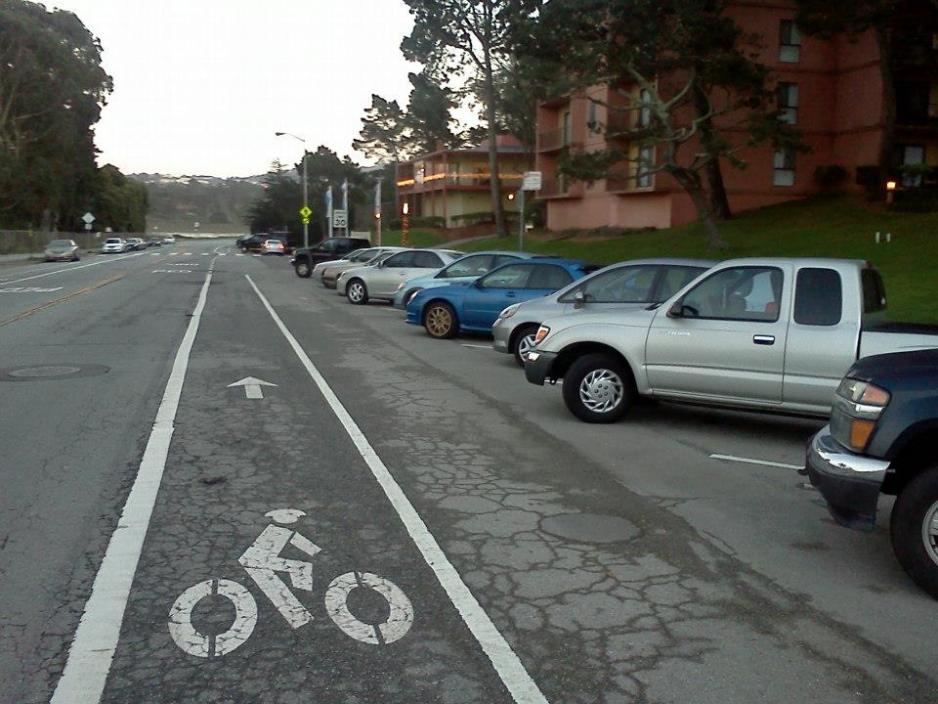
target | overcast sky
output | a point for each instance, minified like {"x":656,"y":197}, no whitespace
{"x":200,"y":86}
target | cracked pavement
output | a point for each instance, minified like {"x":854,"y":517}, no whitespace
{"x":621,"y":563}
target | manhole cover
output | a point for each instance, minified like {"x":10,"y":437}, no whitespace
{"x":590,"y":527}
{"x":52,"y":371}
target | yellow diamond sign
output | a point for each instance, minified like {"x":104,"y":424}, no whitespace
{"x":305,"y":212}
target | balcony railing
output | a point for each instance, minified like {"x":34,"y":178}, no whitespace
{"x":434,"y":181}
{"x":553,"y":187}
{"x":555,"y":140}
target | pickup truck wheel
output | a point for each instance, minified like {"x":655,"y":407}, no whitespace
{"x":303,"y":269}
{"x":598,"y":388}
{"x":522,"y":342}
{"x":357,"y":292}
{"x":913,"y":528}
{"x":440,"y":321}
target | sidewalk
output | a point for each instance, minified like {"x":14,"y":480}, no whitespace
{"x":14,"y":259}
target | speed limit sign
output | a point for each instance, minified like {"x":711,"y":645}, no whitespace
{"x":340,"y":219}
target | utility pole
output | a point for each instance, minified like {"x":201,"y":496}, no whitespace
{"x":378,"y":208}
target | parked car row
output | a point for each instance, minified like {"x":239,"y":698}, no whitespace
{"x":796,"y":336}
{"x":117,"y":245}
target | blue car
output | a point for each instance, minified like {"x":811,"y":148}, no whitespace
{"x":463,"y":270}
{"x":474,"y":306}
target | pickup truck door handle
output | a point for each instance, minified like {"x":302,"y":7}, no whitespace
{"x":763,"y":339}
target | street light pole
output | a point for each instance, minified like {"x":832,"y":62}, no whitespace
{"x":305,"y":184}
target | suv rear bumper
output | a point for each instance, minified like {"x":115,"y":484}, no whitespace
{"x":850,"y":483}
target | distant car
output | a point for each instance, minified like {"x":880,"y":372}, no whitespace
{"x":473,"y":307}
{"x":62,"y":250}
{"x":619,"y":287}
{"x":382,"y":280}
{"x":135,"y":244}
{"x":169,"y":239}
{"x":305,"y":258}
{"x":356,"y":257}
{"x":465,"y":269}
{"x":154,"y":242}
{"x":331,"y":271}
{"x":114,"y":245}
{"x":273,"y":246}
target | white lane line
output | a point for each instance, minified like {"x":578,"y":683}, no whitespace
{"x":71,"y":268}
{"x":174,"y":254}
{"x":187,"y":254}
{"x":154,"y":254}
{"x":477,"y":347}
{"x":516,"y":679}
{"x":749,"y":460}
{"x":92,"y":650}
{"x":205,"y":254}
{"x":239,"y":254}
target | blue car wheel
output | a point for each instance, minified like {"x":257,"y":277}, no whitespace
{"x":440,"y":321}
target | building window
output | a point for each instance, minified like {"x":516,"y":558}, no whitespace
{"x":592,"y":120}
{"x":565,"y":128}
{"x":912,"y":155}
{"x":646,"y":162}
{"x":789,"y":42}
{"x":644,"y":109}
{"x":784,"y":167}
{"x":788,"y":103}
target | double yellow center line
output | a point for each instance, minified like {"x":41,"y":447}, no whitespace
{"x":62,"y":299}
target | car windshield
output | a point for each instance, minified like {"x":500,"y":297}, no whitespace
{"x":60,"y":243}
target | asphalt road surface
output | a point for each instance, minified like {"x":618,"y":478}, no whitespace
{"x":222,"y":483}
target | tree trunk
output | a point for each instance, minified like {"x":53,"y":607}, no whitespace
{"x":719,"y":202}
{"x":690,"y":182}
{"x":494,"y":181}
{"x":888,"y":159}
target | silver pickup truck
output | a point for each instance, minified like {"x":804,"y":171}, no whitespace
{"x":763,"y":334}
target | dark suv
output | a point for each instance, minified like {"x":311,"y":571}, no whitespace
{"x":305,"y":258}
{"x":881,"y":440}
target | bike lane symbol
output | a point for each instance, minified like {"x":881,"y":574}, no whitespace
{"x":263,"y":561}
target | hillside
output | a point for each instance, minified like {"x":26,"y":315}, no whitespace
{"x":843,"y":227}
{"x":217,"y":204}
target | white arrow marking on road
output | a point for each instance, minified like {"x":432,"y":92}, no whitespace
{"x":252,"y":386}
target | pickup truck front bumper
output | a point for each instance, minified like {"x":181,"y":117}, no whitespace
{"x":850,"y":483}
{"x":537,"y":366}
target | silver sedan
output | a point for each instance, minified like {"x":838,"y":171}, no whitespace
{"x":618,"y":287}
{"x":382,"y":280}
{"x":328,"y":272}
{"x":62,"y":250}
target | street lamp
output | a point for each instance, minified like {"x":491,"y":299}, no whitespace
{"x":890,"y":191}
{"x":405,"y":225}
{"x":305,"y":184}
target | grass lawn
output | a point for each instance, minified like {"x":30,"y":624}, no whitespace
{"x":418,"y":238}
{"x":841,"y":226}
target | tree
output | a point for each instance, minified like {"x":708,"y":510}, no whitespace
{"x":383,"y":136}
{"x":474,"y":34}
{"x":52,"y":88}
{"x":827,"y":18}
{"x":429,"y":119}
{"x":686,"y":81}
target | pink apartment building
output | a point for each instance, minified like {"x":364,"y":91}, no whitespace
{"x":831,"y":91}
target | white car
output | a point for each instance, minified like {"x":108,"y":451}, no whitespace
{"x":383,"y":279}
{"x":114,"y":245}
{"x":169,"y":239}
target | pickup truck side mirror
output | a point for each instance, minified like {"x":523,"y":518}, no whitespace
{"x":676,"y":310}
{"x":579,"y":300}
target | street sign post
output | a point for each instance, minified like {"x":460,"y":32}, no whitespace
{"x":87,"y":218}
{"x":530,"y":181}
{"x":339,"y":219}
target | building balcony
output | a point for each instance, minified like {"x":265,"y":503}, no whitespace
{"x":556,"y":188}
{"x":554,"y":141}
{"x":510,"y":181}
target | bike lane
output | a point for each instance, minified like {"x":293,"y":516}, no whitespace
{"x":266,"y":524}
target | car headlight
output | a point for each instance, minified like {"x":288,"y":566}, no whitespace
{"x":510,"y":310}
{"x":542,"y":332}
{"x":857,"y":407}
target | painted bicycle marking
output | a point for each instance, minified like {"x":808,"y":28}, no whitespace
{"x":264,"y":564}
